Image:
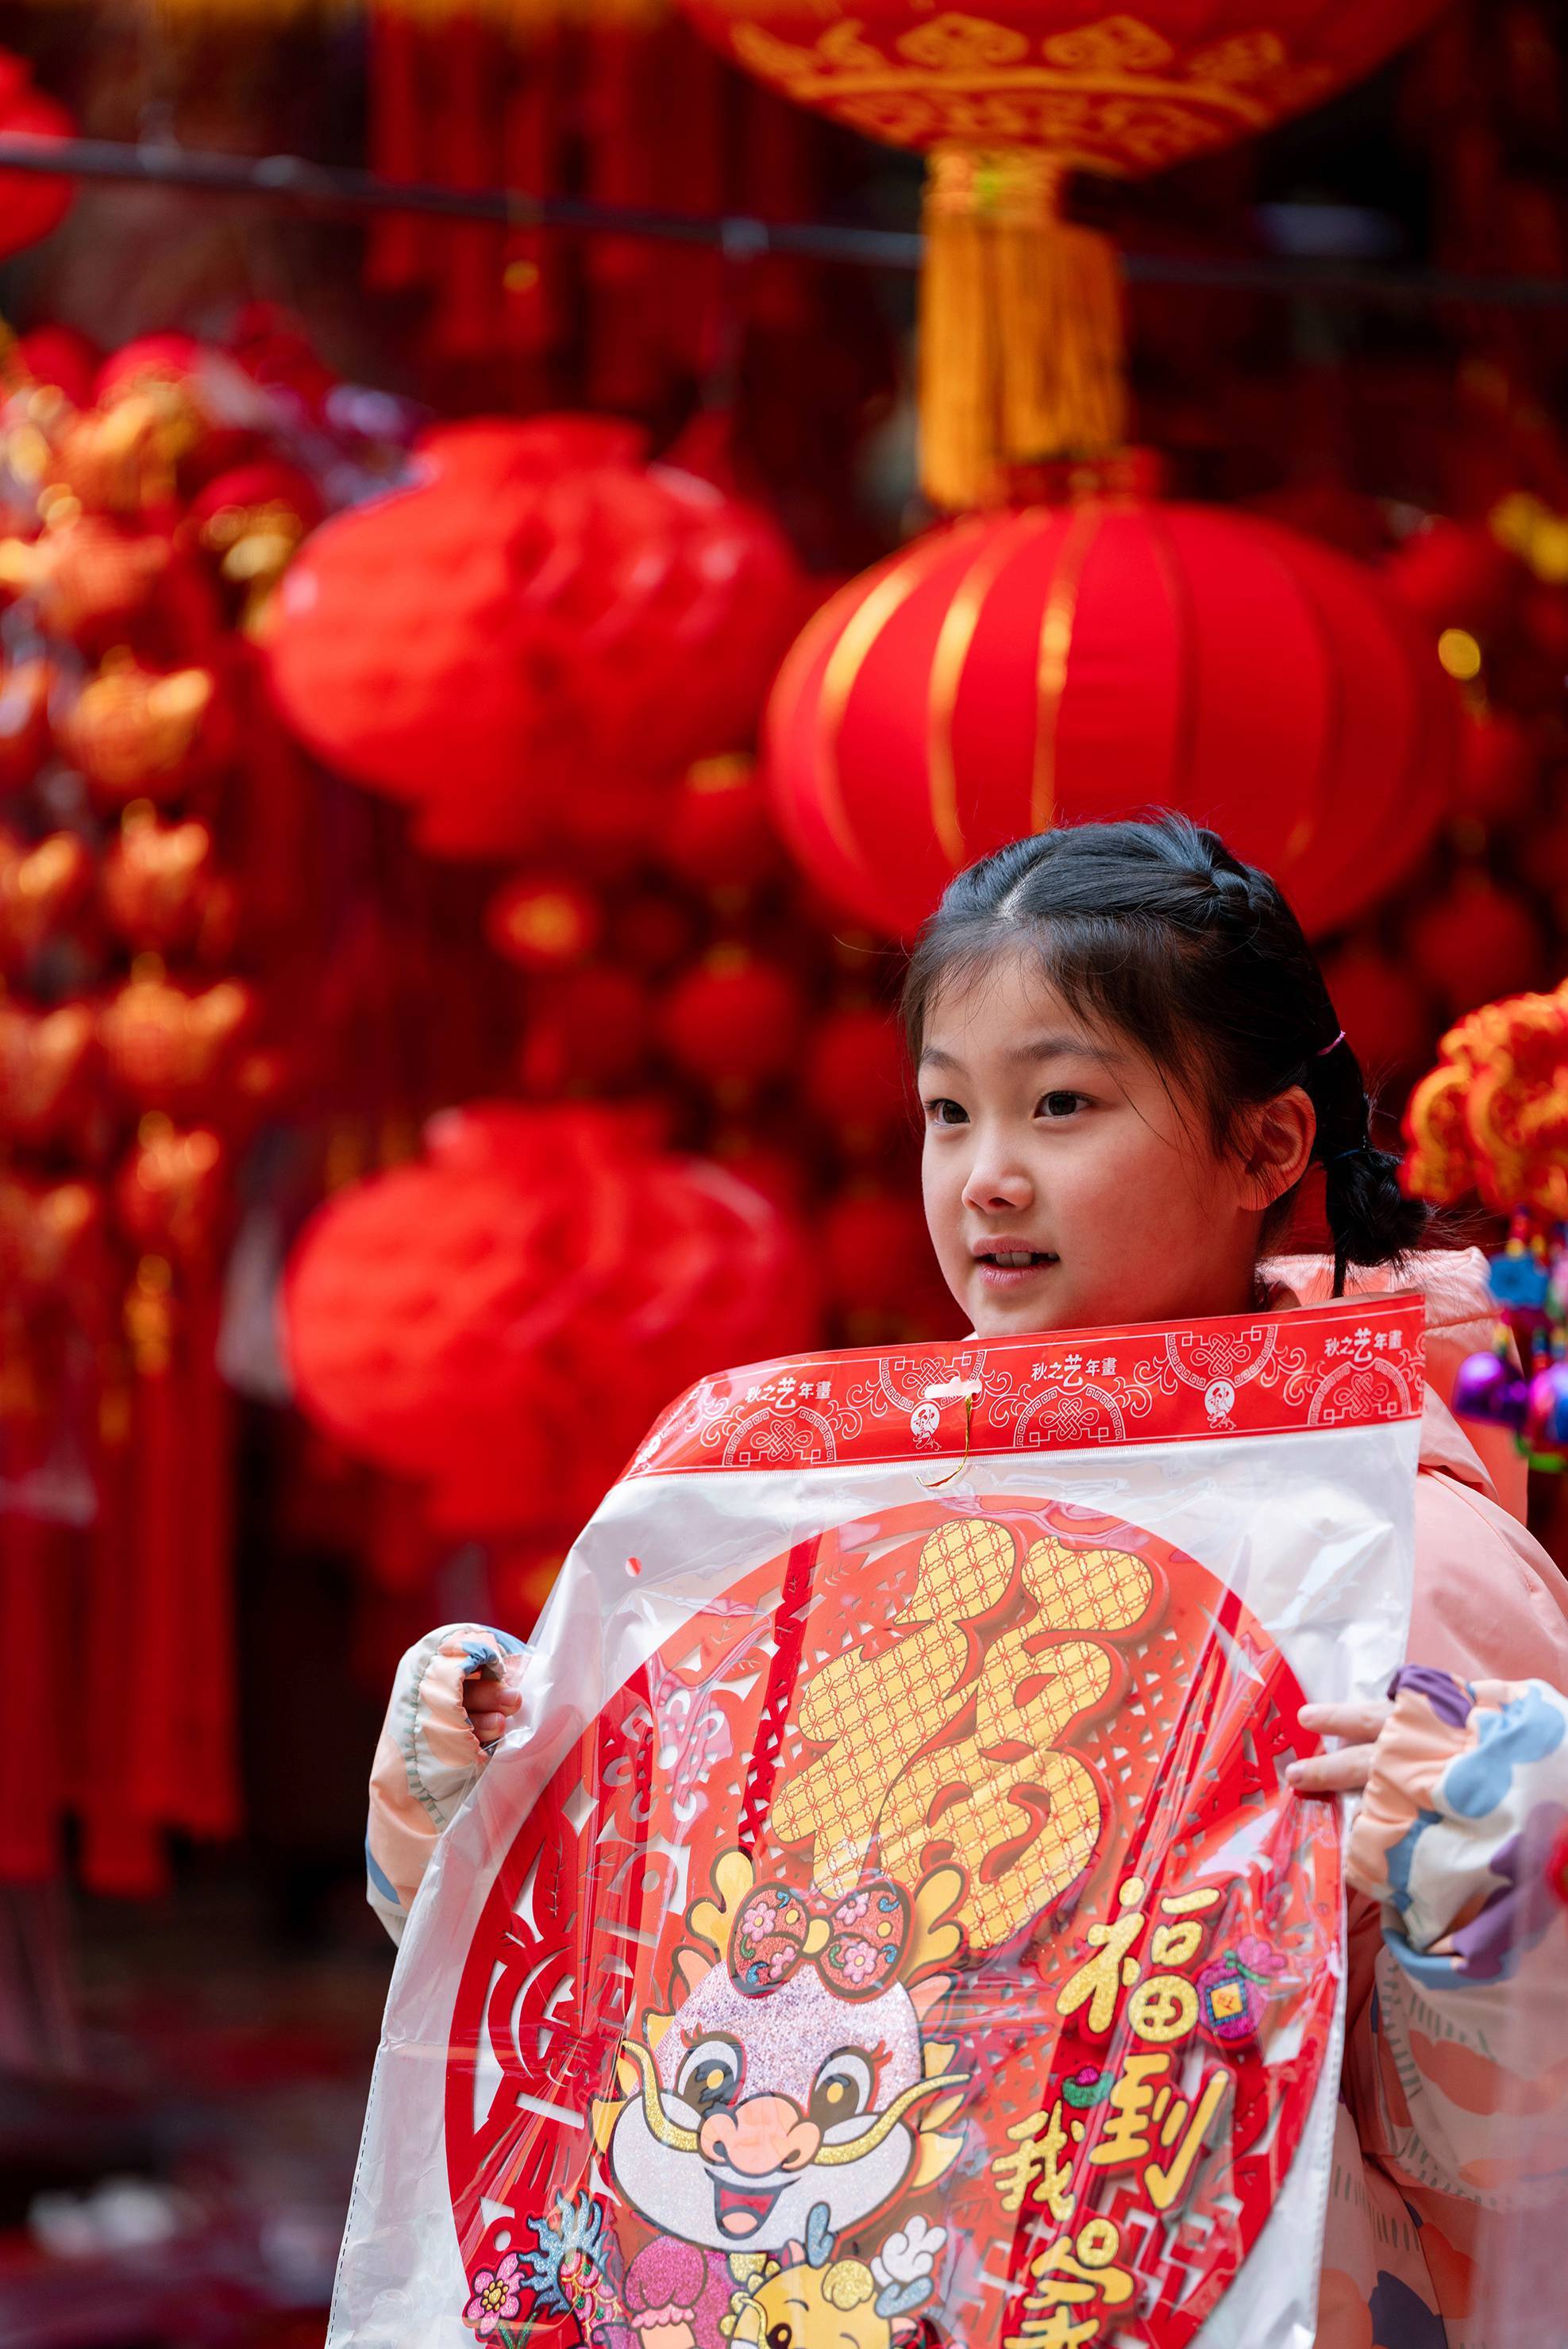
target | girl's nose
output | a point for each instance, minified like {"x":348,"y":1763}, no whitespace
{"x":995,"y":1184}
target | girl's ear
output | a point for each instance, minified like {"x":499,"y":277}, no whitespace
{"x":1277,"y":1144}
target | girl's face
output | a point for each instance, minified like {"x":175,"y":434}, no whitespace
{"x":1064,"y":1188}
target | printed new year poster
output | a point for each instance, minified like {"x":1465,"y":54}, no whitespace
{"x":889,"y":1926}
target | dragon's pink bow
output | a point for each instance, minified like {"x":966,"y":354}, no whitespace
{"x":855,"y":1943}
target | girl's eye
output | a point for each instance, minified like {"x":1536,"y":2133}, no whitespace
{"x":1060,"y":1104}
{"x":942,"y":1112}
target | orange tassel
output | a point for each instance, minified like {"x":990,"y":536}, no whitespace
{"x":1021,"y":327}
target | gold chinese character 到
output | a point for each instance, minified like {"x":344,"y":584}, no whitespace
{"x":1131,"y":2113}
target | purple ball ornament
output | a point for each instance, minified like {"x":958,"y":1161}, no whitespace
{"x":1489,"y":1388}
{"x":1546,"y":1419}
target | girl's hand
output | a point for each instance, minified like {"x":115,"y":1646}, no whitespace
{"x":489,"y":1704}
{"x":1346,"y":1770}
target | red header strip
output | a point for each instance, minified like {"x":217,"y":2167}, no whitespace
{"x":1347,"y":1365}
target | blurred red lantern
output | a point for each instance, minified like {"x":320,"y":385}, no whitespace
{"x":1389,"y":1017}
{"x":502,"y":1319}
{"x":733,"y":1022}
{"x":1060,"y":664}
{"x":30,"y":204}
{"x":60,"y":356}
{"x":879,"y":1269}
{"x":1497,"y":767}
{"x":543,"y":921}
{"x":855,"y":1074}
{"x":587,"y":1029}
{"x":719,"y":833}
{"x":1475,"y":942}
{"x":539,"y":608}
{"x":1455,"y":575}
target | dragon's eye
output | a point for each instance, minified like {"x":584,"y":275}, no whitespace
{"x":710,"y":2075}
{"x":780,"y":2337}
{"x":842,"y":2089}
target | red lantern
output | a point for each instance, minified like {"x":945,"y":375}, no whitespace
{"x":1497,"y":767}
{"x":1021,"y":341}
{"x":719,"y":835}
{"x":540,"y":608}
{"x":543,"y":921}
{"x":1389,"y":1017}
{"x":855,"y":1074}
{"x":1455,"y":575}
{"x":733,"y":1022}
{"x":30,"y":204}
{"x":1067,"y":663}
{"x":588,"y":1030}
{"x":502,"y":1319}
{"x":881,"y":1274}
{"x":1476,"y":942}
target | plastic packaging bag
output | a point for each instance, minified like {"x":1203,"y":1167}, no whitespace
{"x":889,"y":1924}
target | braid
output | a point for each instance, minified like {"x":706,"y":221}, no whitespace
{"x":1155,"y":927}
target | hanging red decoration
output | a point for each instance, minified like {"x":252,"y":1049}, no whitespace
{"x":1021,"y":334}
{"x":855,"y":1074}
{"x":733,"y":1022}
{"x":1456,"y":575}
{"x":30,"y":204}
{"x":1498,"y":763}
{"x":719,"y":833}
{"x":502,"y":1318}
{"x":1476,"y":941}
{"x":1080,"y":662}
{"x":592,"y":615}
{"x":543,"y":921}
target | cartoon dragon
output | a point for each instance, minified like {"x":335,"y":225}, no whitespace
{"x":791,"y":2094}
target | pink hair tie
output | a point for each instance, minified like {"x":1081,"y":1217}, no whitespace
{"x":1324,"y":1050}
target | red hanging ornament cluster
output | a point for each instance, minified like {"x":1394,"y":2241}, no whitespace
{"x":143,"y":782}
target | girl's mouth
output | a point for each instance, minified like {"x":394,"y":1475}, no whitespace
{"x":1004,"y":1269}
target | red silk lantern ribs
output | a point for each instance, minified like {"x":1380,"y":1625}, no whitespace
{"x":1083,"y":662}
{"x":501,"y":1320}
{"x":539,"y":610}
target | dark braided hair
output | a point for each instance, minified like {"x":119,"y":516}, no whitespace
{"x":1155,"y":928}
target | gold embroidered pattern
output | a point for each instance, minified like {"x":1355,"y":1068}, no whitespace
{"x":1113,"y":95}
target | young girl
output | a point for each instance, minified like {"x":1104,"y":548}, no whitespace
{"x":1128,"y":1060}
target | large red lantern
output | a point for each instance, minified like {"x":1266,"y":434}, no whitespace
{"x":541,"y":608}
{"x":1021,"y":340}
{"x":1015,"y":671}
{"x":502,"y":1319}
